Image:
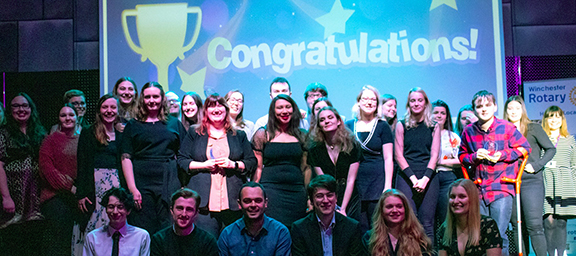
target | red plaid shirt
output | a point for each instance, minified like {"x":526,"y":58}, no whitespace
{"x":504,"y":137}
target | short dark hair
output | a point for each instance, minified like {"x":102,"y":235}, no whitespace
{"x":73,"y":93}
{"x":123,"y":196}
{"x":251,"y":184}
{"x":316,"y":87}
{"x":483,"y":94}
{"x":185,"y":193}
{"x":322,"y":181}
{"x":280,"y":80}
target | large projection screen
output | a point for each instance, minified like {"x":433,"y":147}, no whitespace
{"x":450,"y":48}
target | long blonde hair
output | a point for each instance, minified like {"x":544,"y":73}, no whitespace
{"x":412,"y":240}
{"x":427,"y":112}
{"x":472,"y":218}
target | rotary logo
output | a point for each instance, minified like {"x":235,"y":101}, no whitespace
{"x":573,"y":96}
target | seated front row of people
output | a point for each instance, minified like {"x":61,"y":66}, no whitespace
{"x":396,"y":230}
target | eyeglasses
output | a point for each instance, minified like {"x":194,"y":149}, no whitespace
{"x":368,"y":99}
{"x":232,"y":100}
{"x":23,"y":106}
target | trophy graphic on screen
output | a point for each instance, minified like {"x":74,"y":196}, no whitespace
{"x":161,"y":30}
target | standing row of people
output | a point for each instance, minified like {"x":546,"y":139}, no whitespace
{"x":137,"y":143}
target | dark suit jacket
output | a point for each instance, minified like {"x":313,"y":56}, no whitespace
{"x":194,"y":149}
{"x":346,"y":237}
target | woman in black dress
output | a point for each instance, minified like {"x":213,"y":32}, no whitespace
{"x":375,"y":139}
{"x":282,"y":169}
{"x":217,"y":157}
{"x":148,"y":151}
{"x":416,"y":150}
{"x":334,"y":151}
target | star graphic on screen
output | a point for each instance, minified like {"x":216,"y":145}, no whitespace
{"x":193,"y":82}
{"x":335,"y":20}
{"x":436,"y":3}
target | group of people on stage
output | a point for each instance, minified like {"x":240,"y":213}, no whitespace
{"x":161,"y":174}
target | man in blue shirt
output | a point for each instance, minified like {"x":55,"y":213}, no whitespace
{"x":255,"y":233}
{"x":324,"y":232}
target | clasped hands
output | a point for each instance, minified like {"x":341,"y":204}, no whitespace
{"x":223,"y":163}
{"x":419,"y":184}
{"x":485,"y":154}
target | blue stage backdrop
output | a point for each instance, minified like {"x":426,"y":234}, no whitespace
{"x":450,"y":48}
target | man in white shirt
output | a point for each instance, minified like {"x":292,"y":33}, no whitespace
{"x":117,"y":238}
{"x":278,"y":86}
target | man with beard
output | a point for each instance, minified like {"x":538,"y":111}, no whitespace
{"x":255,"y":233}
{"x":183,"y":238}
{"x":324,"y":231}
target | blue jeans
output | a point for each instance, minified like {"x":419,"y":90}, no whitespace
{"x":501,"y":211}
{"x":445,"y":179}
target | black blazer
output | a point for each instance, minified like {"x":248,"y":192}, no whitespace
{"x":193,"y":148}
{"x":306,"y":236}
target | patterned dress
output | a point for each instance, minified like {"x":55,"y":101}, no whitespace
{"x":22,"y":174}
{"x":560,"y":179}
{"x":98,"y":171}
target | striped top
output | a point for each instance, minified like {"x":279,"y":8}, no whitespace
{"x":560,"y":179}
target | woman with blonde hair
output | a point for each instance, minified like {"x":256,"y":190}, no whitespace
{"x":465,"y":231}
{"x":559,"y":180}
{"x":377,"y":164}
{"x":416,"y":150}
{"x":395,"y":229}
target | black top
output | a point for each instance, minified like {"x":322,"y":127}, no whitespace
{"x":92,"y":154}
{"x":157,"y":141}
{"x":166,"y":243}
{"x":194,"y":149}
{"x":373,"y":146}
{"x":417,"y":145}
{"x":371,"y":172}
{"x":318,"y":157}
{"x":367,"y":251}
{"x":307,"y":237}
{"x":539,"y":141}
{"x":489,"y":238}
